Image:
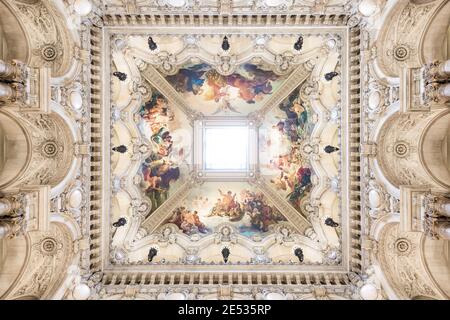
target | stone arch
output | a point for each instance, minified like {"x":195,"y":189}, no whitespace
{"x":401,"y":260}
{"x":50,"y":150}
{"x":29,"y":297}
{"x":12,"y":261}
{"x":66,"y":259}
{"x":437,"y":260}
{"x":434,"y":44}
{"x":49,"y":43}
{"x":434,"y":149}
{"x":14,"y":149}
{"x":13,"y":35}
{"x":399,"y":149}
{"x":400,"y":41}
{"x":48,"y":256}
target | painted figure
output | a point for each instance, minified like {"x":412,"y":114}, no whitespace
{"x":295,"y":175}
{"x":252,"y":84}
{"x":249,"y":211}
{"x":158,"y":171}
{"x":188,"y":221}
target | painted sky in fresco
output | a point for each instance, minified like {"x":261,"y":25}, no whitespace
{"x":238,"y":94}
{"x":280,"y":137}
{"x":170,"y":137}
{"x":215,"y":203}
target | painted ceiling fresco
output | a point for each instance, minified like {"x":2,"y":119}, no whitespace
{"x":166,"y":129}
{"x":238,"y":204}
{"x":279,"y":143}
{"x":211,"y":93}
{"x":160,"y":203}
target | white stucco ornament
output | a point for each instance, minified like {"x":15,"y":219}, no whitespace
{"x":275,"y":3}
{"x":275,"y":296}
{"x":172,"y":3}
{"x":368,"y":292}
{"x":76,"y":100}
{"x":374,"y":199}
{"x":176,"y":3}
{"x":331,"y":43}
{"x":81,"y":292}
{"x":176,"y":296}
{"x":368,"y":7}
{"x":374,"y":100}
{"x":260,"y":41}
{"x":75,"y":199}
{"x":82,"y":7}
{"x":190,"y":40}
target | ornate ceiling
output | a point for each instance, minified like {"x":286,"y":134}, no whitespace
{"x":197,"y":149}
{"x":160,"y":97}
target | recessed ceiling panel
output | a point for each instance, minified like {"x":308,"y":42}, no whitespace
{"x":170,"y":137}
{"x":232,"y":154}
{"x":238,"y":204}
{"x":281,"y":159}
{"x":212,"y":93}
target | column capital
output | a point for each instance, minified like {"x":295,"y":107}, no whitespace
{"x":12,"y":215}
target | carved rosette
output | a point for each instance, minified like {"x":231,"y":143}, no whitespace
{"x":50,"y":41}
{"x":398,"y":149}
{"x":52,"y":151}
{"x":401,"y":259}
{"x":51,"y":253}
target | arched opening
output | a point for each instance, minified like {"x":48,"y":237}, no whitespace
{"x":435,"y":149}
{"x":13,"y":150}
{"x":437,"y":259}
{"x":13,"y":254}
{"x":13,"y":42}
{"x":435,"y":44}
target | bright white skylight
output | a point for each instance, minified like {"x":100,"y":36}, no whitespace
{"x":226,"y":148}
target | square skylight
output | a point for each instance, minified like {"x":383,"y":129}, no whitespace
{"x":226,"y":148}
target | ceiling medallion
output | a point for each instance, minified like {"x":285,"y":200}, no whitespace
{"x":49,"y":52}
{"x":49,"y":149}
{"x":401,"y":149}
{"x":49,"y":246}
{"x":401,"y":52}
{"x":402,"y":246}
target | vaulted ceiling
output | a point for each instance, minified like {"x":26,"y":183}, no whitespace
{"x":262,"y":217}
{"x":198,"y":149}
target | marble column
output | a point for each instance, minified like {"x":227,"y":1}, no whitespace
{"x":7,"y":71}
{"x":443,"y":230}
{"x":6,"y":92}
{"x":444,"y":68}
{"x":444,"y":90}
{"x":5,"y":229}
{"x":5,"y":206}
{"x":445,"y":209}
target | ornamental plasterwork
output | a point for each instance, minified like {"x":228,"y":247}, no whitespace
{"x":51,"y":43}
{"x":226,"y":6}
{"x":398,"y":253}
{"x":133,"y":61}
{"x":402,"y":147}
{"x":50,"y":255}
{"x":51,"y":152}
{"x":397,"y":46}
{"x":225,"y":293}
{"x":114,"y":259}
